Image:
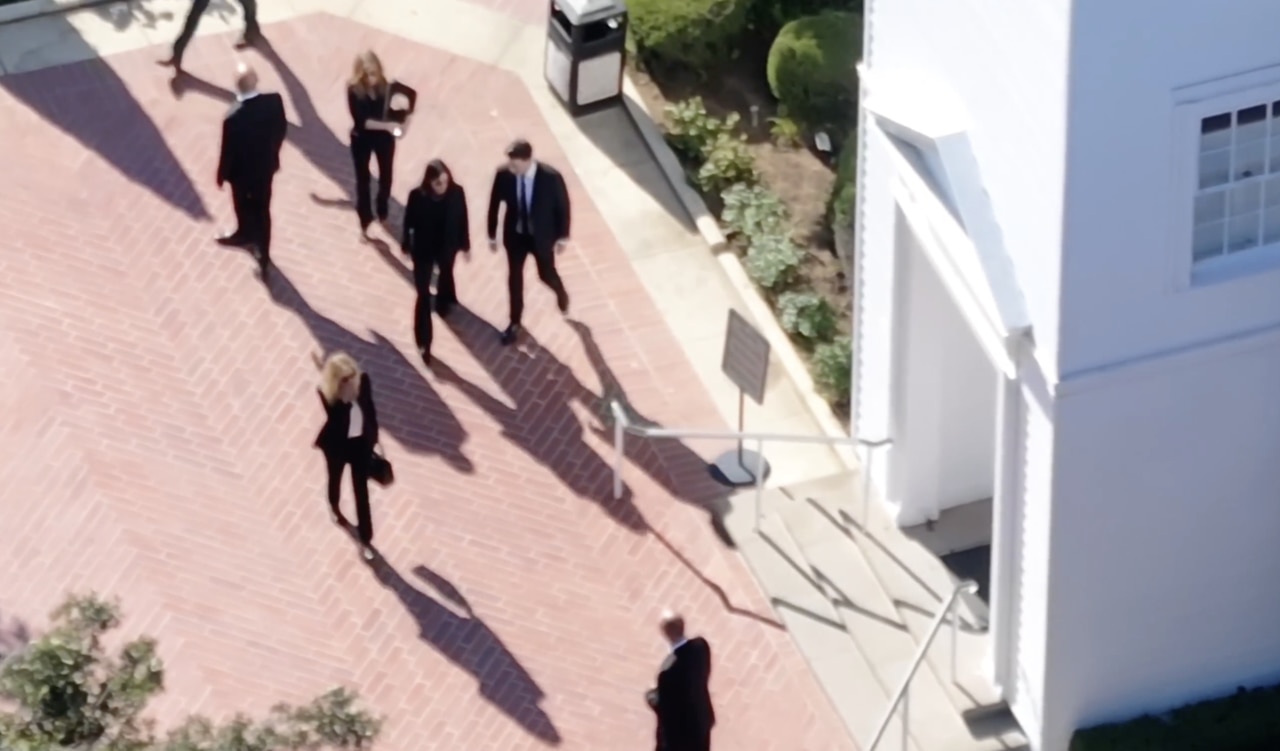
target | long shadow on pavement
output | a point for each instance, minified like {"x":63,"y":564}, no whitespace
{"x":90,"y":103}
{"x":410,"y":409}
{"x":542,"y":423}
{"x":469,"y":643}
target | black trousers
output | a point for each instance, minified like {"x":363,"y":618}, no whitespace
{"x":252,"y":203}
{"x":381,"y":146}
{"x":355,"y":453}
{"x":198,"y":7}
{"x":519,"y":248}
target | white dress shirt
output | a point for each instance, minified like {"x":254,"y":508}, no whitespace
{"x":356,"y":426}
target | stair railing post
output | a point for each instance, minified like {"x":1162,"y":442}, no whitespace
{"x":955,"y":639}
{"x":906,"y":719}
{"x":759,"y":481}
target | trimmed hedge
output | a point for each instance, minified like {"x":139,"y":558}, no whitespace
{"x":844,"y":193}
{"x":692,"y":33}
{"x":768,"y":16}
{"x":1248,"y":720}
{"x":812,"y":68}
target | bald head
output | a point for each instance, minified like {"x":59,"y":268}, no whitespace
{"x":246,"y":79}
{"x":672,"y":625}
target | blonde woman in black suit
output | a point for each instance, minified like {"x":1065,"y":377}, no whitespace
{"x":348,"y":438}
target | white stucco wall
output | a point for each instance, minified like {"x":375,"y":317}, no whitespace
{"x":1164,"y":546}
{"x":1120,"y":298}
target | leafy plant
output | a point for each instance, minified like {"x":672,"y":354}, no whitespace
{"x":727,"y":163}
{"x":693,"y":34}
{"x":833,"y":369}
{"x":785,"y":132}
{"x":63,"y":690}
{"x":693,"y":132}
{"x":751,"y":210}
{"x":773,"y":261}
{"x":806,"y":315}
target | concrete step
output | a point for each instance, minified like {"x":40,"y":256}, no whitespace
{"x":917,"y":582}
{"x":873,"y":620}
{"x":835,"y":657}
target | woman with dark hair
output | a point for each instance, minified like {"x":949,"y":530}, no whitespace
{"x":436,"y":229}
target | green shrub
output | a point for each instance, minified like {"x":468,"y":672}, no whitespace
{"x":690,"y":33}
{"x":833,"y":370}
{"x":844,"y":193}
{"x":692,"y":131}
{"x":751,"y":210}
{"x":811,"y":67}
{"x":785,"y":132}
{"x":773,"y":261}
{"x":1248,"y":720}
{"x":806,"y":315}
{"x":728,"y":162}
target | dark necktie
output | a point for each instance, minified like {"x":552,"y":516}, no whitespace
{"x":522,"y":197}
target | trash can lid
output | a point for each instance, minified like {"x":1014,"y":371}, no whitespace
{"x":580,"y":11}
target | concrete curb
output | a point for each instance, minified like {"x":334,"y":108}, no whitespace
{"x":670,"y":166}
{"x":785,"y":352}
{"x":29,"y":9}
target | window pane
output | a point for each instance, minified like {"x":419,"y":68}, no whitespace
{"x":1271,"y":193}
{"x":1251,"y":115}
{"x":1215,"y":132}
{"x":1271,"y":226}
{"x":1243,"y":231}
{"x":1246,"y":198}
{"x":1250,"y":159}
{"x":1252,"y":132}
{"x":1215,"y":168}
{"x":1275,"y":148}
{"x":1207,"y":241}
{"x":1212,"y":207}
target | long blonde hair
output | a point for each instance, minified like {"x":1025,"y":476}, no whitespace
{"x":337,"y":369}
{"x":367,"y":62}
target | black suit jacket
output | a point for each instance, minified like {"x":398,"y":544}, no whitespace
{"x":549,"y":212}
{"x":422,"y":238}
{"x":682,"y":701}
{"x":252,"y":134}
{"x":333,"y":434}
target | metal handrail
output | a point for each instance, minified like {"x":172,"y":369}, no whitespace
{"x":623,"y":425}
{"x":901,"y":697}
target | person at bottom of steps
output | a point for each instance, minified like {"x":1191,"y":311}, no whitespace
{"x":348,"y":438}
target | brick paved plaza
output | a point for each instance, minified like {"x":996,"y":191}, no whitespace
{"x":159,"y":409}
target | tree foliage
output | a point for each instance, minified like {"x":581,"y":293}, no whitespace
{"x":64,"y":690}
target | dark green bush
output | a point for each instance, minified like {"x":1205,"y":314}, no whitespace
{"x":690,"y":33}
{"x":833,"y":370}
{"x":811,"y":68}
{"x":1248,"y":720}
{"x":844,"y":193}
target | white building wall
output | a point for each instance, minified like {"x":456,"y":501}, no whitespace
{"x":1006,"y":61}
{"x":1120,"y":296}
{"x":1165,"y":525}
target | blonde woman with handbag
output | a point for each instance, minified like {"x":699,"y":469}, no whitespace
{"x":349,"y":437}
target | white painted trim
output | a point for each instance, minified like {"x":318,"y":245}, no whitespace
{"x":1005,"y":531}
{"x":1158,"y":363}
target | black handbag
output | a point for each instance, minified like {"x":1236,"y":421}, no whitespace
{"x":380,"y":469}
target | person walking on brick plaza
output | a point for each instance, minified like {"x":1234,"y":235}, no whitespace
{"x":252,"y":32}
{"x":681,"y":699}
{"x":348,"y":438}
{"x":252,"y":134}
{"x":436,"y":230}
{"x":371,"y":136}
{"x":535,"y":223}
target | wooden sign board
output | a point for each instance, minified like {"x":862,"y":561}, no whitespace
{"x":746,"y":357}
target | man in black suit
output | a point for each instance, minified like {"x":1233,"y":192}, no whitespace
{"x":681,"y":700}
{"x":252,"y":134}
{"x":536,"y":223}
{"x":252,"y":32}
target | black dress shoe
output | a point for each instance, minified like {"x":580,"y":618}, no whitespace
{"x":562,"y":301}
{"x":511,"y":334}
{"x":426,"y":356}
{"x":443,"y":309}
{"x":231,"y":239}
{"x":249,"y":38}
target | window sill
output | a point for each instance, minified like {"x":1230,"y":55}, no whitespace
{"x":1249,"y":263}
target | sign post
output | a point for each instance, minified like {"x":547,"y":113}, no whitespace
{"x":746,"y":363}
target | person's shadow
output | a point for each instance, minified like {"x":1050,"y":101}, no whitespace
{"x":410,"y":409}
{"x":467,"y":642}
{"x":542,"y":423}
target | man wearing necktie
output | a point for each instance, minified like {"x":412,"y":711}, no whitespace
{"x":536,"y":223}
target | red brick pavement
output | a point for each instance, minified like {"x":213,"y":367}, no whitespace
{"x":158,"y":412}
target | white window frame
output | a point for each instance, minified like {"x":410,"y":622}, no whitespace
{"x":1191,"y":105}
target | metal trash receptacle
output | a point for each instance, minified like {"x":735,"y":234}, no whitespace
{"x":586,"y":53}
